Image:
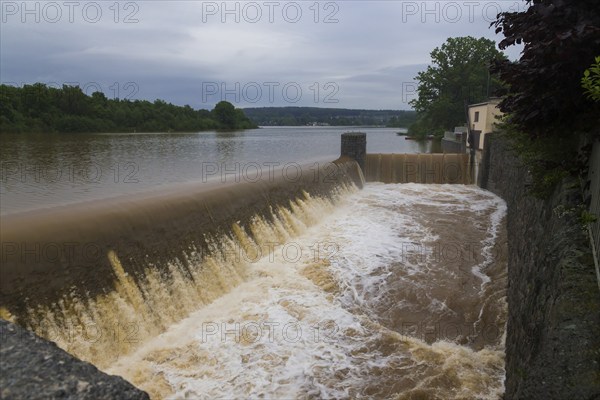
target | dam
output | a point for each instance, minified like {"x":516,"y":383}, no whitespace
{"x":372,"y":279}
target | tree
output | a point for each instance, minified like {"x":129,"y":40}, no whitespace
{"x":38,"y":108}
{"x":561,"y":39}
{"x":459,"y":73}
{"x":35,"y":99}
{"x":224,"y":113}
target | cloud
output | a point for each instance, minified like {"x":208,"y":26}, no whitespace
{"x":357,"y":53}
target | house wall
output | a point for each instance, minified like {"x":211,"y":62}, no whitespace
{"x":487,"y":119}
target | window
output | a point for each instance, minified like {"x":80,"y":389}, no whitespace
{"x":476,"y":116}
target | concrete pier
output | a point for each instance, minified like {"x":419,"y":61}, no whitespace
{"x":354,"y":145}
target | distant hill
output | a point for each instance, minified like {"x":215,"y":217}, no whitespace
{"x":300,"y":116}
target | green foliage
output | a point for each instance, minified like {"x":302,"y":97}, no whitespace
{"x":224,"y":112}
{"x":560,"y":40}
{"x":403,"y":120}
{"x":549,"y":161}
{"x":42,"y":109}
{"x":587,"y":218}
{"x":549,"y":114}
{"x":300,"y":116}
{"x":421,"y":128}
{"x":591,"y":81}
{"x":458,"y":74}
{"x":580,"y":211}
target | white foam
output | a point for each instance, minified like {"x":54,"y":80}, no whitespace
{"x":314,"y":343}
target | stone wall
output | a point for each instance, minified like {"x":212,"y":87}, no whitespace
{"x":553,"y":329}
{"x":34,"y":368}
{"x":354,"y":146}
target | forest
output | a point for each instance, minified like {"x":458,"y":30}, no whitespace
{"x":38,"y":108}
{"x":299,"y":116}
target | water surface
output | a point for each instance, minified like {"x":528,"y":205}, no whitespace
{"x":55,"y":169}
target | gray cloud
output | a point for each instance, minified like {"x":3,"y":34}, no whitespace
{"x":355,"y":54}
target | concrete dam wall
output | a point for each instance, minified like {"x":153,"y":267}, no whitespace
{"x":74,"y":273}
{"x":407,"y":168}
{"x":418,"y":168}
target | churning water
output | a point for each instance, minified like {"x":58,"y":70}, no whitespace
{"x":395,"y":291}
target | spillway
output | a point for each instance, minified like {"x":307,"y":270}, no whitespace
{"x":283,"y":288}
{"x":419,"y":168}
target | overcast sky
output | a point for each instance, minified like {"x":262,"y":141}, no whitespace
{"x":347,"y":54}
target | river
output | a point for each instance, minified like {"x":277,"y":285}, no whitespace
{"x":54,"y":169}
{"x":392,"y":291}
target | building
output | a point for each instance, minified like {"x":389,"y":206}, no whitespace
{"x":482,"y":118}
{"x":455,"y":142}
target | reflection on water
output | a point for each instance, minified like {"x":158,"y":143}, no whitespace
{"x":229,"y":144}
{"x":51,"y":169}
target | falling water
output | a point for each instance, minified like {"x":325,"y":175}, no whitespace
{"x":395,"y":291}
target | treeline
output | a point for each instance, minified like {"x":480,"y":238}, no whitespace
{"x":300,"y":116}
{"x":43,"y":109}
